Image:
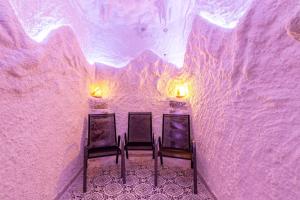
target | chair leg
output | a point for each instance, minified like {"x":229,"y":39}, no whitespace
{"x":153,"y":153}
{"x":85,"y":166}
{"x":195,"y":169}
{"x":155,"y":166}
{"x":126,"y":152}
{"x":123,"y":168}
{"x":161,"y":159}
{"x":117,"y":157}
{"x":195,"y":180}
{"x":84,"y":178}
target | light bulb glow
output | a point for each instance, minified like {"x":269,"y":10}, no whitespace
{"x":97,"y":92}
{"x":181,"y":91}
{"x":100,"y":89}
{"x":179,"y":88}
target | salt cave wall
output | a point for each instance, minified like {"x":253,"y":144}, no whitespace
{"x":140,"y":86}
{"x":245,"y":100}
{"x":246,"y":116}
{"x":107,"y":29}
{"x":43,"y":106}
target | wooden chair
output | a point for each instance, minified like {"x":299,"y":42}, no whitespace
{"x":176,"y":143}
{"x":139,"y":136}
{"x":102,"y":141}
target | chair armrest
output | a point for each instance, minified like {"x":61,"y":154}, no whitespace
{"x":119,"y":139}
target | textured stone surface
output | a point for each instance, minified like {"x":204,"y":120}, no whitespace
{"x":43,"y":104}
{"x":293,"y":28}
{"x":244,"y":99}
{"x":246,"y":109}
{"x":141,"y":86}
{"x":224,"y":13}
{"x":107,"y":29}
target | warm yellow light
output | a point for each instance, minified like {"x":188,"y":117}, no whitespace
{"x":97,"y":92}
{"x":178,"y":87}
{"x":181,"y":91}
{"x":100,"y":89}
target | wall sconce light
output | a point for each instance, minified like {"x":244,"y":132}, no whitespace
{"x":100,"y":89}
{"x":96,"y":92}
{"x":181,"y":91}
{"x":97,"y":101}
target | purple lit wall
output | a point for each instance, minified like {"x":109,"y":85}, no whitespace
{"x":107,"y":30}
{"x":240,"y":57}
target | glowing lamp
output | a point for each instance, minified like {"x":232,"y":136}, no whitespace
{"x":181,"y":91}
{"x":97,"y":92}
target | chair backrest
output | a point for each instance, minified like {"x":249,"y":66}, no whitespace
{"x":140,"y":127}
{"x":102,"y":130}
{"x":176,"y":132}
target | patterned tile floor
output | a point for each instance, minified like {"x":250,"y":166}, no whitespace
{"x":175,"y":181}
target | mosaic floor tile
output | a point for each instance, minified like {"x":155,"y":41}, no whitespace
{"x":104,"y":182}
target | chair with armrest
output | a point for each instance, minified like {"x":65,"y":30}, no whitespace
{"x":176,"y":142}
{"x":102,"y":141}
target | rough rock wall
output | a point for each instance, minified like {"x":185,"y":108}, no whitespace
{"x":43,"y":105}
{"x":246,"y":109}
{"x":141,"y":86}
{"x":105,"y":29}
{"x":245,"y":100}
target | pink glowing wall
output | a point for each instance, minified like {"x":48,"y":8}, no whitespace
{"x":43,"y":106}
{"x":246,"y":109}
{"x":245,"y":102}
{"x":107,"y":29}
{"x":141,"y":86}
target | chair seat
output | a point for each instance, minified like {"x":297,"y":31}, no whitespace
{"x":139,"y":146}
{"x":101,"y":152}
{"x":176,"y":153}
